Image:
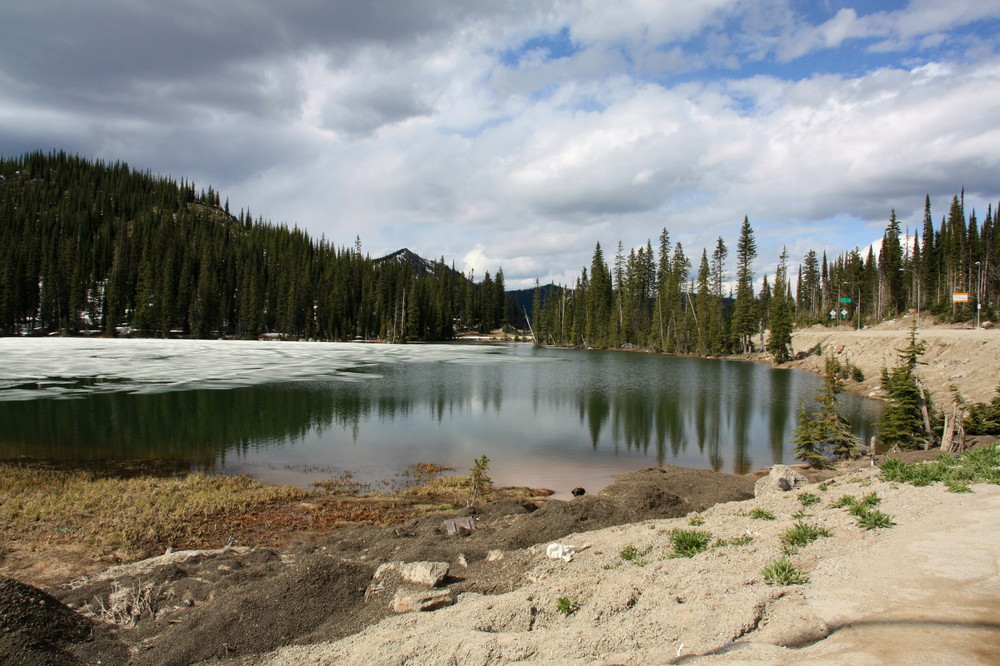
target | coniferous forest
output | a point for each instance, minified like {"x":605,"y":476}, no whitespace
{"x":90,"y":246}
{"x":96,"y":247}
{"x":663,"y":299}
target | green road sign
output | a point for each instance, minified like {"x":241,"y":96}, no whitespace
{"x":845,"y":300}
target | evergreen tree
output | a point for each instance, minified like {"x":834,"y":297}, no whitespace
{"x":779,"y":341}
{"x":599,"y":300}
{"x":902,"y":424}
{"x":745,"y":321}
{"x":825,"y":434}
{"x":891,"y":268}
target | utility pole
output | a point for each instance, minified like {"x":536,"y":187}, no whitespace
{"x":979,"y":291}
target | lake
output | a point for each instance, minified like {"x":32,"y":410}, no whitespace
{"x":298,"y":412}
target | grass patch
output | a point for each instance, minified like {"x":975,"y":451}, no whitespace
{"x":808,"y":499}
{"x":567,"y":605}
{"x":864,"y":510}
{"x":802,"y":534}
{"x":761,"y":514}
{"x":957,"y":472}
{"x":688,"y":543}
{"x":632,"y":554}
{"x":871,"y":519}
{"x":783,"y":572}
{"x":741,"y":540}
{"x":695,"y":521}
{"x":135,"y":515}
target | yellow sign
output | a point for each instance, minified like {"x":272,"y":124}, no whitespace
{"x":960,"y":298}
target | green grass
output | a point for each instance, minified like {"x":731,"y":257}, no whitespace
{"x":783,"y":572}
{"x":632,"y":554}
{"x":808,"y":499}
{"x":567,"y":605}
{"x":741,"y":540}
{"x":688,"y":543}
{"x":978,"y":466}
{"x":695,"y":521}
{"x":802,"y":534}
{"x":844,"y":502}
{"x":864,"y":510}
{"x":761,"y":514}
{"x":873,"y":519}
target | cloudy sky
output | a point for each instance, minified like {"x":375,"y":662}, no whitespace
{"x":519,"y":134}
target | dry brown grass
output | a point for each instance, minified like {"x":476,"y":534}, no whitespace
{"x":133,"y":515}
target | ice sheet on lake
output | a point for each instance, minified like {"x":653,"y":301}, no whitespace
{"x":32,"y":368}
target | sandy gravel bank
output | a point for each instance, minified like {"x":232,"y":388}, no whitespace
{"x":960,"y":356}
{"x":924,"y":591}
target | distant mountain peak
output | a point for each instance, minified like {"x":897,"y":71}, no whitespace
{"x":407,"y":257}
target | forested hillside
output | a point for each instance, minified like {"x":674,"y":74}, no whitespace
{"x":89,"y":246}
{"x":664,"y":299}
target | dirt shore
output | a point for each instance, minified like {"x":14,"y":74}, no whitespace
{"x":924,"y":590}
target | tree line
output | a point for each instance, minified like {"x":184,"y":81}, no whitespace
{"x":93,"y":246}
{"x":655,"y":299}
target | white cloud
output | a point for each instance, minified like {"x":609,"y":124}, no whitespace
{"x":402,"y":123}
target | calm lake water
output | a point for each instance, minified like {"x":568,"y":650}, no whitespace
{"x":296,"y":412}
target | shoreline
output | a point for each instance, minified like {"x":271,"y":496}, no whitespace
{"x":500,"y":570}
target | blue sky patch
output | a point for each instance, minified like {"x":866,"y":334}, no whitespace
{"x":553,"y":45}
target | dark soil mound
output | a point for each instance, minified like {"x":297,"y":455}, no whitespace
{"x":37,"y":629}
{"x":649,"y":491}
{"x":263,"y":613}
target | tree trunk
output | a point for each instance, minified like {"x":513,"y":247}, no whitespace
{"x":923,"y":411}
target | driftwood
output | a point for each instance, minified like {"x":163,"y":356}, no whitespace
{"x":928,"y":430}
{"x":953,"y":438}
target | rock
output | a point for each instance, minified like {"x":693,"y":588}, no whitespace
{"x":429,"y":574}
{"x":781,"y":478}
{"x":408,"y":600}
{"x":577,"y":492}
{"x":494,"y":555}
{"x":462,"y":560}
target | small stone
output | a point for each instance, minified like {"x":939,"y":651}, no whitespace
{"x":494,"y":556}
{"x":462,"y":560}
{"x":419,"y":573}
{"x":409,"y":600}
